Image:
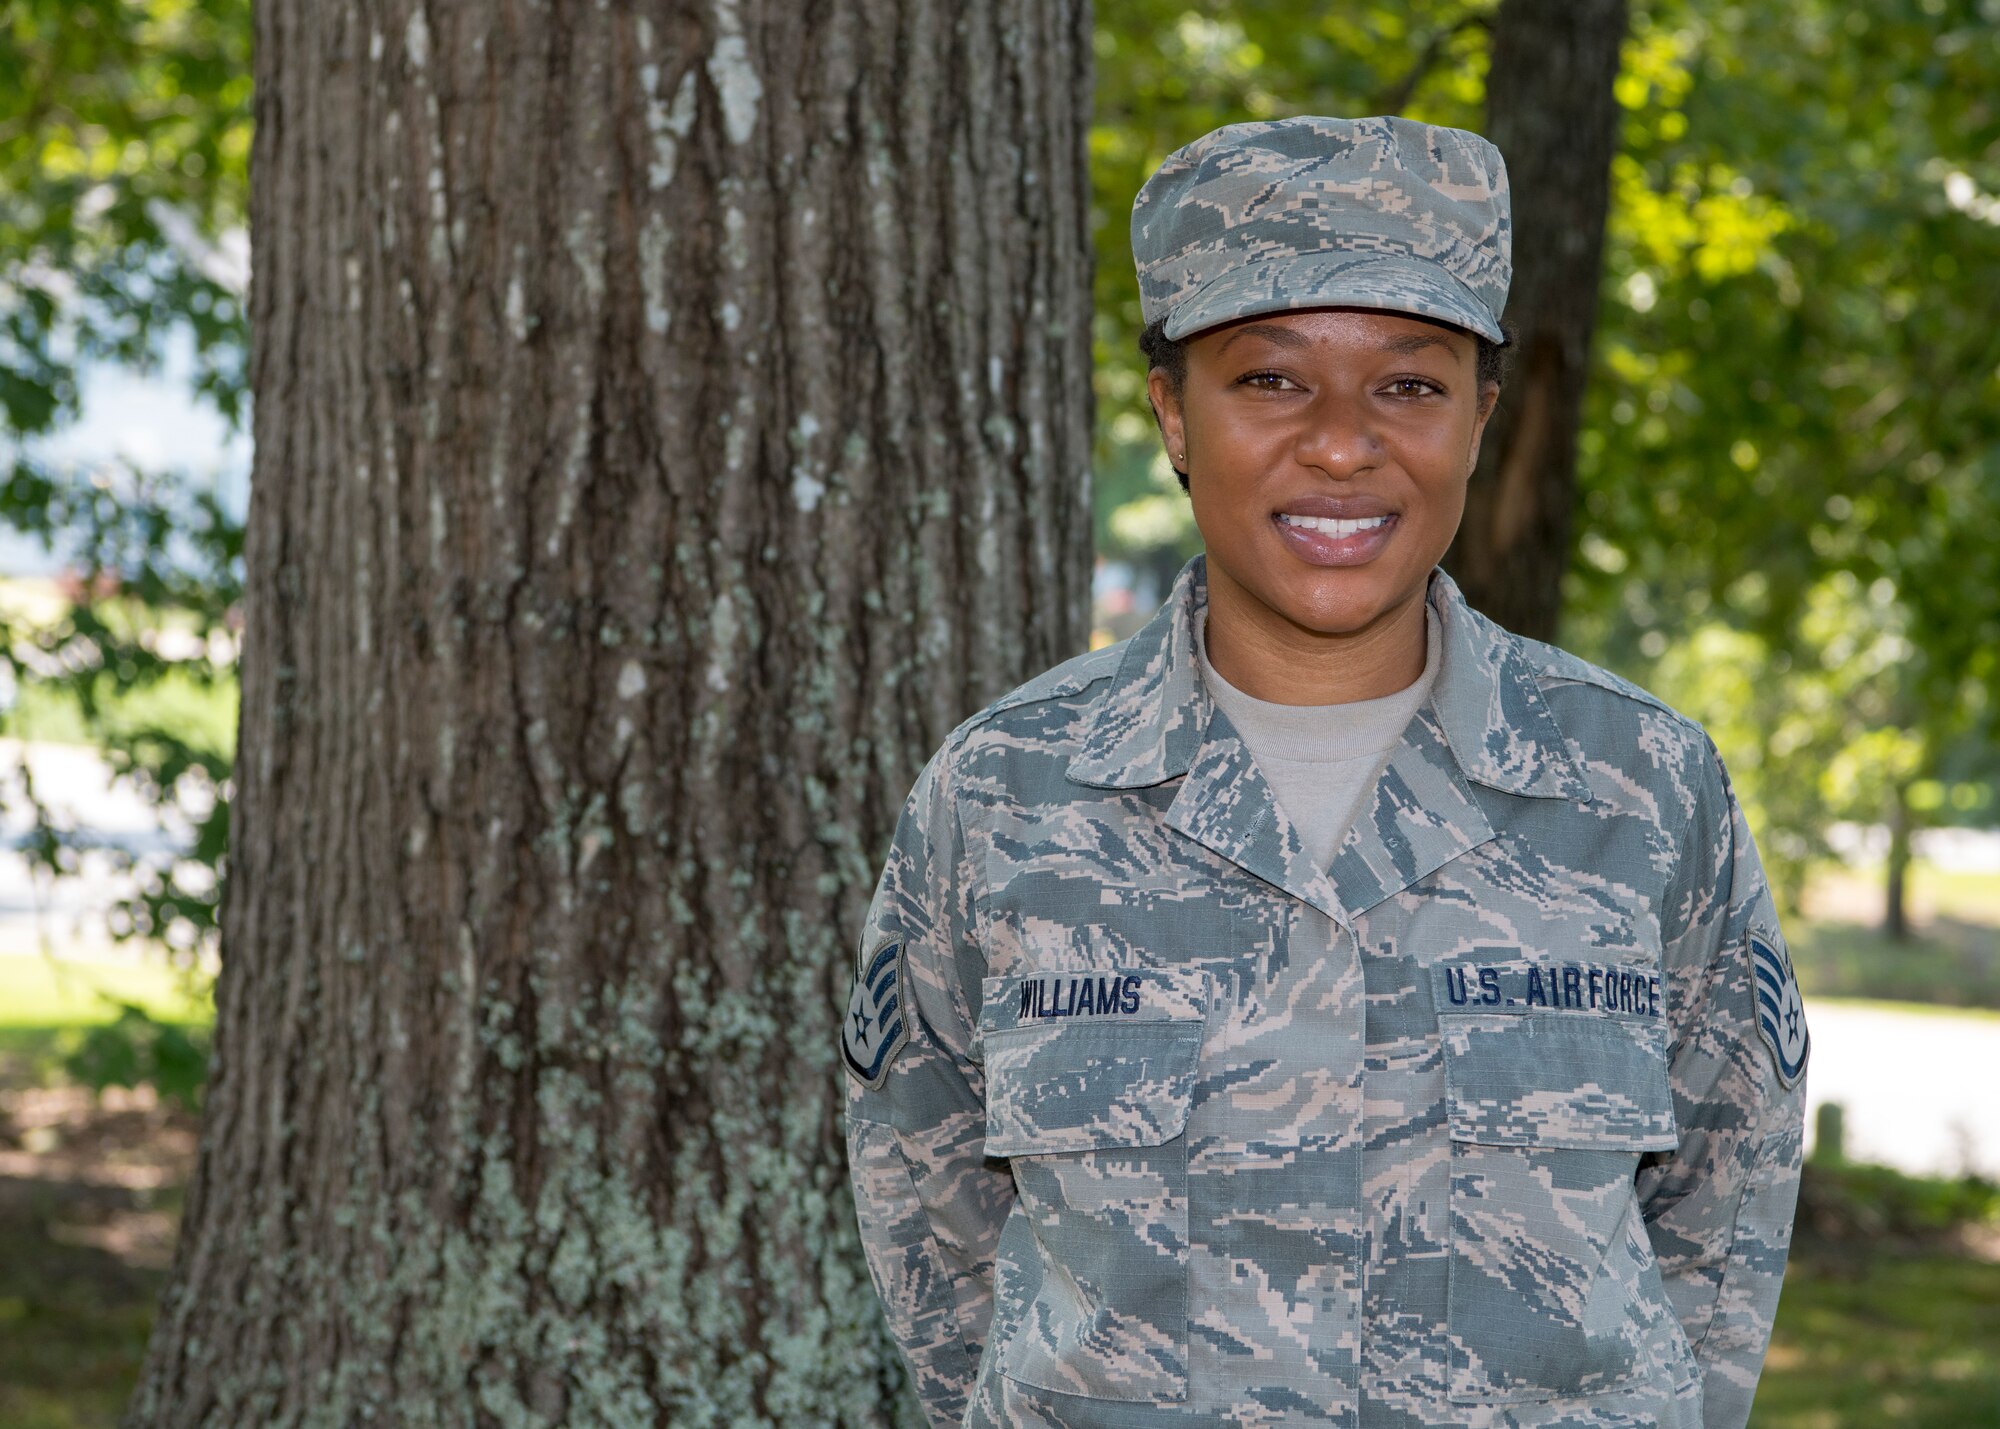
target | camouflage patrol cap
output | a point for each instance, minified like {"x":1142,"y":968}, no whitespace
{"x":1315,"y":212}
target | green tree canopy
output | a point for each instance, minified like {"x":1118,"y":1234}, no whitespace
{"x":1789,"y":474}
{"x":124,"y":145}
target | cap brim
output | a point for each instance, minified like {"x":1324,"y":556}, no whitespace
{"x":1385,"y":282}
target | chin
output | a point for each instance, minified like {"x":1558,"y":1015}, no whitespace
{"x":1331,"y":602}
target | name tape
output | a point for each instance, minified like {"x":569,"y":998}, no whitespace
{"x":1585,"y":986}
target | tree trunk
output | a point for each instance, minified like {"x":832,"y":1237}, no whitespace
{"x":1896,"y":901}
{"x":1551,"y":111}
{"x":670,"y":420}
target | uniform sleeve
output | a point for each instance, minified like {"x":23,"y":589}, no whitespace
{"x":1719,"y":1208}
{"x":929,"y":1205}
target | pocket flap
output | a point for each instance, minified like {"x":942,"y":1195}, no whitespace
{"x":1081,"y":1061}
{"x":1558,"y":1080}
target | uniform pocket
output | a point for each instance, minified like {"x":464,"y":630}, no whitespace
{"x":1553,"y":1289}
{"x":1557,"y":1081}
{"x":1089,"y":1084}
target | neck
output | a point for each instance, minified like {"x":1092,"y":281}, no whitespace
{"x":1269,"y":656}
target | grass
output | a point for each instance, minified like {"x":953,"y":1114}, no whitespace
{"x":1892,"y":1339}
{"x":73,"y":1325}
{"x":46,"y":992}
{"x":1954,"y":893}
{"x":1869,"y":1332}
{"x":82,"y":1251}
{"x":73,"y":1315}
{"x":1947,"y":962}
{"x":1890,"y":1327}
{"x":49,"y":1005}
{"x":1952,"y":958}
{"x":1929,"y":891}
{"x":201,"y":712}
{"x":1905,"y":1339}
{"x":1917,"y":1009}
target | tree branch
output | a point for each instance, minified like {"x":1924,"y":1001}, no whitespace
{"x":1394,"y":99}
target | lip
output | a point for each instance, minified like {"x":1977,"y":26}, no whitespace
{"x":1338,"y":508}
{"x":1317,"y":548}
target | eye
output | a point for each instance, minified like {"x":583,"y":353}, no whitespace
{"x":1414,"y":387}
{"x":1264,"y":381}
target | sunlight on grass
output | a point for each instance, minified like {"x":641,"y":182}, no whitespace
{"x":1958,"y":893}
{"x":1856,"y":890}
{"x":1945,"y":962}
{"x":198,"y":711}
{"x":1952,"y":957}
{"x":43,"y":992}
{"x":1888,"y":1341}
{"x":202,"y":714}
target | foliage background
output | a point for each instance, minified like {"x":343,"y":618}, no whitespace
{"x":1789,"y":468}
{"x":1789,"y":507}
{"x":1789,"y":519}
{"x":124,"y":148}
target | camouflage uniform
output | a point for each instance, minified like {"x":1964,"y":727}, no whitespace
{"x":1496,"y":1121}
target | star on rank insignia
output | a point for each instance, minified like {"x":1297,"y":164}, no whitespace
{"x":1781,"y":1013}
{"x":874,"y":1032}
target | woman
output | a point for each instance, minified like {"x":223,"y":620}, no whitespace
{"x":1325,"y":1007}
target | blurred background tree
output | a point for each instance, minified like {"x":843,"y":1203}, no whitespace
{"x":1789,"y":450}
{"x":124,"y":141}
{"x":1788,"y":473}
{"x":1793,"y":446}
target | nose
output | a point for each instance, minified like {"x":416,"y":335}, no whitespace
{"x":1338,"y":437}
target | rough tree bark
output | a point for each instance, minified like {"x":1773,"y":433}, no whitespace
{"x":1551,"y":111}
{"x":670,"y":420}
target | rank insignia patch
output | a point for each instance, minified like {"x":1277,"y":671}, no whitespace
{"x":1781,"y":1013}
{"x":874,"y":1032}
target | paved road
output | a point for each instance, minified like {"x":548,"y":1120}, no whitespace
{"x":1922,"y":1091}
{"x":67,"y":915}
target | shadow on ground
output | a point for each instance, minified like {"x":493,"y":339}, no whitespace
{"x":90,"y":1192}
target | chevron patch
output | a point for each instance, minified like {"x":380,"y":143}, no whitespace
{"x":1781,"y":1013}
{"x":874,"y":1031}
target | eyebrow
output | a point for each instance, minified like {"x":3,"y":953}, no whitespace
{"x":1413,"y":342}
{"x":1285,"y":337}
{"x":1282,"y":336}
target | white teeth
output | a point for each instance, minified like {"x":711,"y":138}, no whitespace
{"x":1331,"y":525}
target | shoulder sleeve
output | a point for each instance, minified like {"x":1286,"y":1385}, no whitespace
{"x":929,"y":1205}
{"x":1719,"y":1208}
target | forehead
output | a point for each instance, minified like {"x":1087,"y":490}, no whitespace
{"x":1337,"y":331}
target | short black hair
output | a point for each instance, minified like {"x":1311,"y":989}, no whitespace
{"x":1169,"y":355}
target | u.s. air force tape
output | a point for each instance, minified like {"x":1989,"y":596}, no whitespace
{"x":1781,"y":1013}
{"x":875,"y":1031}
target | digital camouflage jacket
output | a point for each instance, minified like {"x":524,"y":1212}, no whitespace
{"x":1494,"y":1122}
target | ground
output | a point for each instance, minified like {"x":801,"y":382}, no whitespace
{"x":89,"y":1192}
{"x":1877,"y":1327}
{"x":1889,"y":1306}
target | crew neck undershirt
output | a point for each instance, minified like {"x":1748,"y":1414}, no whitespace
{"x":1321,"y":760}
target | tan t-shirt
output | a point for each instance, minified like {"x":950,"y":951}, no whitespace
{"x":1321,"y":760}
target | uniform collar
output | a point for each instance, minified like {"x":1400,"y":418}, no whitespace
{"x":1148,"y":724}
{"x":1486,"y":723}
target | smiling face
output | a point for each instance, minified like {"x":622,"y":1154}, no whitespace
{"x":1328,"y":452}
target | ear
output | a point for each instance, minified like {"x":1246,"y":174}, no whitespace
{"x":1489,"y":398}
{"x":1167,"y":412}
